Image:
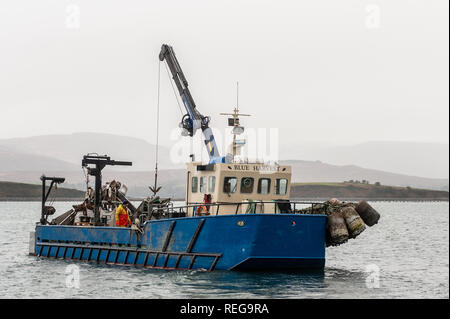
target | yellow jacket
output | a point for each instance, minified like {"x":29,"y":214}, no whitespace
{"x":122,"y":216}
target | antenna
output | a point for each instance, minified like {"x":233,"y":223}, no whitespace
{"x":234,"y":121}
{"x":237,"y":95}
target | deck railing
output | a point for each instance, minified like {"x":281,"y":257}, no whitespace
{"x":277,"y":207}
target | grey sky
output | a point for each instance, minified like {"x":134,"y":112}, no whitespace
{"x":321,"y":71}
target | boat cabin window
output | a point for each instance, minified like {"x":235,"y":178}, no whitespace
{"x":211,"y":184}
{"x":194,"y":184}
{"x":203,"y":184}
{"x":281,"y":186}
{"x":230,"y":185}
{"x":264,"y":186}
{"x":247,"y":185}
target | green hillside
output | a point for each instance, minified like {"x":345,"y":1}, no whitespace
{"x":363,"y":190}
{"x":21,"y":191}
{"x":346,"y":190}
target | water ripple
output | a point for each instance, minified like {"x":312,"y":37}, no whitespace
{"x":410,"y":247}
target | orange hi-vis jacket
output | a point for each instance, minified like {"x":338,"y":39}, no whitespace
{"x":122,"y":217}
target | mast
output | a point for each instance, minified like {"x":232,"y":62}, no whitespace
{"x":234,"y":121}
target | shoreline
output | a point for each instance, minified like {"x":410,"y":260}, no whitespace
{"x":317,"y":199}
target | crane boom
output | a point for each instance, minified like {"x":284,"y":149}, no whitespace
{"x":193,"y":119}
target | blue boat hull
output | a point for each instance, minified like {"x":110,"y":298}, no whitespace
{"x":231,"y":242}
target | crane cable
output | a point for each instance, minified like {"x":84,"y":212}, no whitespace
{"x":157,"y":112}
{"x":176,"y":98}
{"x":157,"y":128}
{"x":173,"y":88}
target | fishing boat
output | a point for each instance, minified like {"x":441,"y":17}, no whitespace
{"x":237,"y":213}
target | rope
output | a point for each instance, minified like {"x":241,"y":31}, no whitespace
{"x":157,"y":113}
{"x":157,"y":126}
{"x":173,"y":88}
{"x":179,"y":106}
{"x":53,"y":198}
{"x":86,"y":177}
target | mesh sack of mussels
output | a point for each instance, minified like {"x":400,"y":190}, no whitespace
{"x":345,"y":220}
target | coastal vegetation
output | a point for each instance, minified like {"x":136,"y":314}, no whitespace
{"x":345,"y":190}
{"x":363,"y":189}
{"x":22,"y":191}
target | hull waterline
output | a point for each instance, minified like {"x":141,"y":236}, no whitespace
{"x":229,"y":242}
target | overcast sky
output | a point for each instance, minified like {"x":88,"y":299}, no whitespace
{"x":322,"y":71}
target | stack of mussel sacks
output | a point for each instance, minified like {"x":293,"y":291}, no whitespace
{"x":345,"y":219}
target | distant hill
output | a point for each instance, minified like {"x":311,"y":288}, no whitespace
{"x":362,"y":191}
{"x":173,"y":181}
{"x":24,"y":160}
{"x":64,"y":152}
{"x":319,"y":191}
{"x":14,"y":160}
{"x":21,"y":191}
{"x":70,"y":148}
{"x":407,"y":158}
{"x":317,"y":171}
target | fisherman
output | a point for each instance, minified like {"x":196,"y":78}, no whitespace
{"x":207,"y":199}
{"x":122,"y":215}
{"x":203,"y":210}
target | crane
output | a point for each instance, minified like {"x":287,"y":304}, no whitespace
{"x":193,"y":119}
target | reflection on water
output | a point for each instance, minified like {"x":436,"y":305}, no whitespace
{"x":408,"y":250}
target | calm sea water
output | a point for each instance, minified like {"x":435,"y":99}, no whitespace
{"x":406,"y":255}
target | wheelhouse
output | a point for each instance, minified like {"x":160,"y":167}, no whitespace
{"x":244,"y":183}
